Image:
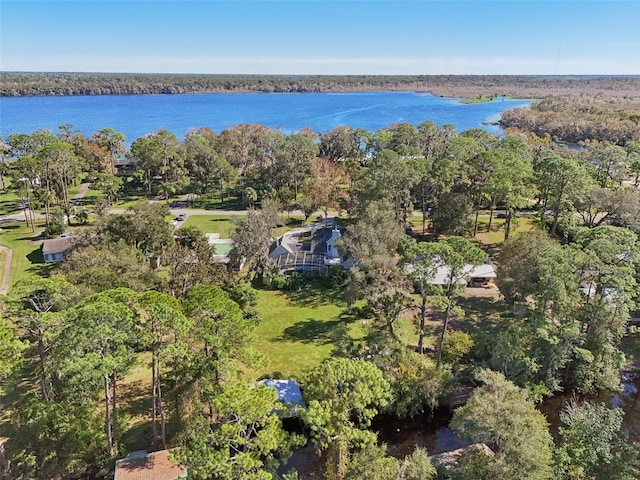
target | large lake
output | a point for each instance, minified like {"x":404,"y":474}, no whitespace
{"x":137,"y":115}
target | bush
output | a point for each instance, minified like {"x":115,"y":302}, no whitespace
{"x":295,"y":282}
{"x":278,"y":282}
{"x":567,"y":229}
{"x":56,"y":225}
{"x":82,"y":217}
{"x":457,"y":344}
{"x":337,"y":274}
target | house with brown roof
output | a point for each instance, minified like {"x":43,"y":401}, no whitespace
{"x":149,"y":466}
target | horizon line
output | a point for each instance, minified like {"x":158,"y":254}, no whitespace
{"x":334,"y":74}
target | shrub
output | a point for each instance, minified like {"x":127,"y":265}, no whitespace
{"x":278,"y":282}
{"x":56,"y":225}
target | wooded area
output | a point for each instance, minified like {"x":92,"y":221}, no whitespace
{"x":141,"y":315}
{"x":466,"y":86}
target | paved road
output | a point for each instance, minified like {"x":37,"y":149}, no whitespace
{"x":77,"y":198}
{"x":192,"y":211}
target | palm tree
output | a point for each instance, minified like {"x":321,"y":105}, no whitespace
{"x":167,"y":189}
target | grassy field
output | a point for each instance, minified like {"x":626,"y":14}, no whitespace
{"x":27,"y":256}
{"x":89,"y":199}
{"x":496,"y":235}
{"x":8,"y":203}
{"x":296,"y":329}
{"x":208,"y":203}
{"x":222,"y":224}
{"x":128,"y":201}
{"x":294,"y":335}
{"x":135,"y":406}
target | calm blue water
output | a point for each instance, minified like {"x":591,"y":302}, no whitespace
{"x":137,"y":115}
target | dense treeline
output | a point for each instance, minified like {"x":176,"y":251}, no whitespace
{"x":578,"y":119}
{"x":135,"y":287}
{"x":523,"y":86}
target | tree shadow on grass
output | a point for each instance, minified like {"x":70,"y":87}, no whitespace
{"x":135,"y":404}
{"x":293,"y":222}
{"x":38,"y":266}
{"x":137,"y":437}
{"x":215,"y":204}
{"x":6,"y":226}
{"x":33,"y":237}
{"x":42,"y":269}
{"x":322,"y":332}
{"x":221,"y":220}
{"x":85,"y":202}
{"x":314,"y":295}
{"x":482,"y":314}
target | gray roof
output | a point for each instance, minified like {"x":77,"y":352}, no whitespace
{"x":56,"y":245}
{"x":441,"y":277}
{"x":319,"y":238}
{"x":287,"y":243}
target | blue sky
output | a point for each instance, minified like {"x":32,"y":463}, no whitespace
{"x":322,"y":37}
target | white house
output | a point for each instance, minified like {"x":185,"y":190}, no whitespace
{"x":286,"y":244}
{"x":332,"y":250}
{"x":289,"y":253}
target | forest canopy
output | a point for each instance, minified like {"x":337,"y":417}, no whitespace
{"x":14,"y":84}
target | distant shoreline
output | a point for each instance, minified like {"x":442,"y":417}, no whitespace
{"x":469,"y":87}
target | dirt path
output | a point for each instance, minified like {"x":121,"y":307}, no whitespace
{"x":6,"y":275}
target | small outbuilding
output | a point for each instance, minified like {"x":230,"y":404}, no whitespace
{"x":56,"y":249}
{"x":149,"y":466}
{"x":289,"y":394}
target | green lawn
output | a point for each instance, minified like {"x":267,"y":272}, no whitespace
{"x":127,"y":201}
{"x":497,"y":228}
{"x":9,"y":199}
{"x":416,"y":220}
{"x":135,"y":404}
{"x":74,"y":189}
{"x":222,"y":224}
{"x":297,"y":329}
{"x":8,"y":202}
{"x":290,"y":222}
{"x":27,"y":256}
{"x":213,"y":203}
{"x":295,"y":333}
{"x":89,"y":198}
